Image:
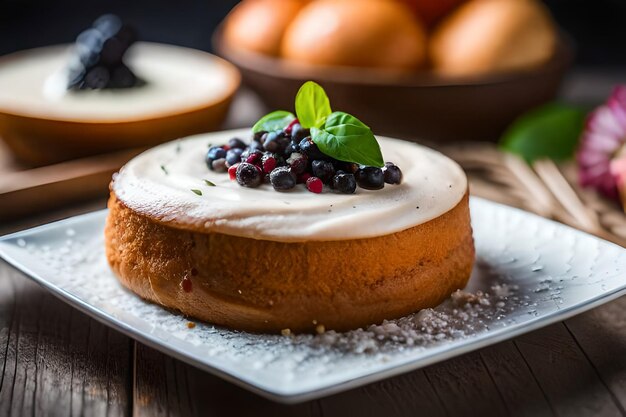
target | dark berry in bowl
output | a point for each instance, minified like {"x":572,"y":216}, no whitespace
{"x":298,"y":162}
{"x":370,"y":178}
{"x":311,"y":150}
{"x":344,"y":182}
{"x":282,"y":179}
{"x":392,"y":173}
{"x":113,"y":51}
{"x":314,"y":185}
{"x":275,"y":142}
{"x":324,"y":170}
{"x":248,"y":175}
{"x":236,"y":143}
{"x":122,"y":77}
{"x":214,"y":153}
{"x":233,"y":156}
{"x":96,"y":78}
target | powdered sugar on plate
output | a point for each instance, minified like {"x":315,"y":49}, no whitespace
{"x":528,"y":272}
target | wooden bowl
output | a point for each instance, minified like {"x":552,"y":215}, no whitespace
{"x":41,"y":133}
{"x":412,"y":106}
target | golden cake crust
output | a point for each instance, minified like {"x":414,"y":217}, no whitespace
{"x":267,"y":286}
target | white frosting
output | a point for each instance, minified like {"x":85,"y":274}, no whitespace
{"x":158,"y":184}
{"x":178,"y":79}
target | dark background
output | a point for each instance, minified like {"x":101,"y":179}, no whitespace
{"x":597,"y":26}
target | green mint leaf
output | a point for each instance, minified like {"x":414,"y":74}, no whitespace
{"x":312,"y":105}
{"x":198,"y":192}
{"x":276,"y":120}
{"x":550,"y":131}
{"x":346,"y":138}
{"x":209,"y":183}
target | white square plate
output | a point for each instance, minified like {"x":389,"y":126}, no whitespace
{"x":535,"y":271}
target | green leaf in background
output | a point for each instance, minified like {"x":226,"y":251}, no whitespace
{"x":276,"y":120}
{"x":346,"y":138}
{"x":312,"y":105}
{"x":550,"y":131}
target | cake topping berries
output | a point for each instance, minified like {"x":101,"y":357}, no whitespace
{"x":97,"y":61}
{"x":318,"y":147}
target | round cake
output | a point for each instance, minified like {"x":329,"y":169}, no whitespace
{"x":258,"y":260}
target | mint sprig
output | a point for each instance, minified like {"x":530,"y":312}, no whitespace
{"x":338,"y":135}
{"x":276,"y":120}
{"x":312,"y":105}
{"x":346,"y":138}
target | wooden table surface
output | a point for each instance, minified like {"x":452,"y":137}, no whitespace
{"x":56,"y":361}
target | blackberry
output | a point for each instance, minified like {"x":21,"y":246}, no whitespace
{"x":214,"y":154}
{"x":282,"y":179}
{"x":370,"y":178}
{"x":248,"y":175}
{"x":344,"y":182}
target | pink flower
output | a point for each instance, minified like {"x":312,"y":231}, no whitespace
{"x":601,"y":157}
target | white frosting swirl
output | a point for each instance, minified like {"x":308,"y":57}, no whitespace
{"x":159,"y":184}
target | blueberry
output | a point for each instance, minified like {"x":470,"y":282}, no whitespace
{"x":291,"y":148}
{"x":96,"y":78}
{"x":233,"y":156}
{"x":323,"y":170}
{"x":298,"y":162}
{"x":214,"y":153}
{"x":256,"y":146}
{"x":392,"y":173}
{"x":248,"y":175}
{"x":370,"y":178}
{"x":298,"y":133}
{"x":275,"y":142}
{"x":282,"y":178}
{"x":344,"y":183}
{"x":311,"y":150}
{"x":236,"y":143}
